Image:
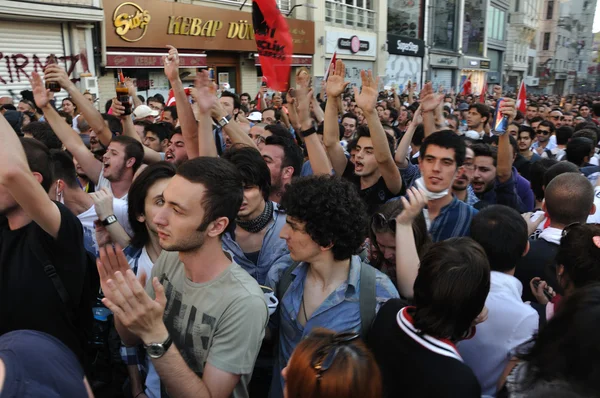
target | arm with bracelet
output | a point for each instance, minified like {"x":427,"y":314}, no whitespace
{"x":316,"y":153}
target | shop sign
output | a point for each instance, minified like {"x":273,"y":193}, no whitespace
{"x":484,"y":64}
{"x":155,"y":24}
{"x":401,"y":45}
{"x":444,"y":61}
{"x":354,"y":44}
{"x":347,"y":44}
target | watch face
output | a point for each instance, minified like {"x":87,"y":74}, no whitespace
{"x":155,"y":350}
{"x":111,"y":219}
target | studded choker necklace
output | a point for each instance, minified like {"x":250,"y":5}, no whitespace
{"x":260,"y":222}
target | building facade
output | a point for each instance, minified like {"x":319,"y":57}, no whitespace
{"x":521,"y":55}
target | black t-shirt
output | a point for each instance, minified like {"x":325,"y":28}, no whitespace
{"x":28,"y":297}
{"x":540,"y":261}
{"x":409,"y":369}
{"x":38,"y":365}
{"x":376,"y":194}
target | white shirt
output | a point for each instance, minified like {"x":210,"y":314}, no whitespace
{"x":510,"y":323}
{"x":88,"y":217}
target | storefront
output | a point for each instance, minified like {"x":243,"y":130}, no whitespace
{"x":358,"y":51}
{"x":405,"y":61}
{"x":206,"y":37}
{"x":475,"y":69}
{"x":443,"y":71}
{"x":31,"y":32}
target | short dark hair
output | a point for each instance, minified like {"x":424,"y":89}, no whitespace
{"x":526,"y":129}
{"x":547,"y":123}
{"x":68,"y":118}
{"x":485,"y":150}
{"x":43,"y":132}
{"x":114,"y":124}
{"x":142,"y":122}
{"x":536,"y":119}
{"x":38,"y":159}
{"x":363,"y":131}
{"x":279,"y":130}
{"x":236,"y":99}
{"x":163,"y":131}
{"x":502,"y":232}
{"x":276,"y":111}
{"x":156,"y":98}
{"x":569,"y":198}
{"x":446,"y":139}
{"x":333,"y":212}
{"x":578,"y":149}
{"x":536,"y":176}
{"x":351,"y":145}
{"x":252,"y":167}
{"x":452,"y":284}
{"x":173,"y":110}
{"x":579,"y":254}
{"x":245,"y":95}
{"x":349,"y":115}
{"x":393,"y":113}
{"x":132,"y":148}
{"x":564,"y":134}
{"x":223,"y":185}
{"x":589,"y":133}
{"x":482,"y":109}
{"x":292,"y":154}
{"x":419,"y":135}
{"x":63,"y":168}
{"x":534,"y":105}
{"x":137,"y":198}
{"x":558,"y":169}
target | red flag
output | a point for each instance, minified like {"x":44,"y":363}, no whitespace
{"x":331,"y":66}
{"x":467,"y":86}
{"x":273,"y":42}
{"x":484,"y":90}
{"x":522,"y":98}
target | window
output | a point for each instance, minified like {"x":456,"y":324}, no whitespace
{"x":473,"y":28}
{"x":404,"y":18}
{"x":350,"y":13}
{"x":550,"y":9}
{"x":546,"y":44}
{"x":517,"y":5}
{"x":530,"y":64}
{"x":580,"y":65}
{"x":444,"y":21}
{"x":495,"y":26}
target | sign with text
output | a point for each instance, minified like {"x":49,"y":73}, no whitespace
{"x":345,"y":43}
{"x":444,"y":61}
{"x":401,"y":45}
{"x":144,"y":24}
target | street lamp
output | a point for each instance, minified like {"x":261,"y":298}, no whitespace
{"x":302,"y":5}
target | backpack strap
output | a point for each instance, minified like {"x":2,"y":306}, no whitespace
{"x":367,"y":299}
{"x":286,"y":280}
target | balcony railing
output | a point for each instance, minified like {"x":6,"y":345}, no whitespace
{"x":349,"y":15}
{"x":284,"y":5}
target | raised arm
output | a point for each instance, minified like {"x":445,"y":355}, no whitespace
{"x":150,"y":155}
{"x":205,"y":96}
{"x":55,"y":73}
{"x":187,"y":121}
{"x":429,"y":103}
{"x":400,"y":157}
{"x":69,"y":137}
{"x":233,"y":128}
{"x":22,"y":185}
{"x":367,"y":101}
{"x":397,"y":103}
{"x":103,"y":204}
{"x":316,"y":153}
{"x":331,"y":130}
{"x":504,"y":167}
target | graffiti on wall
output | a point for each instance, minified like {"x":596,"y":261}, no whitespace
{"x":18,"y":67}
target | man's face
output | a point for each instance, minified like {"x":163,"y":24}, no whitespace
{"x":114,"y":161}
{"x":484,"y":176}
{"x":567,"y":120}
{"x":94,"y":143}
{"x":474,"y":120}
{"x":227,"y":104}
{"x":554,"y":117}
{"x":452,"y":125}
{"x":386,"y":242}
{"x":245,"y":100}
{"x":584,"y":111}
{"x":513,"y":130}
{"x":23,"y":107}
{"x":465,"y":172}
{"x":256,"y":135}
{"x":366,"y":164}
{"x":274,"y":157}
{"x":168,"y":117}
{"x":387,"y":116}
{"x":349,"y":125}
{"x":176,"y":152}
{"x":152,"y":141}
{"x":277,"y":100}
{"x":252,"y":204}
{"x":535,"y":125}
{"x":269,"y":117}
{"x":543,"y":133}
{"x":380,"y":113}
{"x":157,"y":106}
{"x":524,"y":142}
{"x":403,"y":116}
{"x":79,"y":169}
{"x":532,"y":112}
{"x":438,"y":168}
{"x":179,"y":220}
{"x":153,"y":203}
{"x":359,"y":115}
{"x":299,"y":242}
{"x":353,"y":106}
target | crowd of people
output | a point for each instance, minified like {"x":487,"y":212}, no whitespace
{"x":325,"y":242}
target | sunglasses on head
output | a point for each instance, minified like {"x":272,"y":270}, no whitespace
{"x":325,"y":356}
{"x":379,"y":221}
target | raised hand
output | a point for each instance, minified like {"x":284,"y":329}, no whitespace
{"x":367,"y":98}
{"x":205,"y":93}
{"x":54,"y":73}
{"x":417,"y":199}
{"x":508,"y":108}
{"x":303,"y":99}
{"x":130,"y":87}
{"x":497,"y":91}
{"x":103,"y":203}
{"x":117,"y":108}
{"x":335,"y":85}
{"x":40,"y":94}
{"x":171,"y":62}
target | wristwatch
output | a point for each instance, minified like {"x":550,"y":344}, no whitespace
{"x":224,"y":121}
{"x":109,"y":220}
{"x":157,"y":350}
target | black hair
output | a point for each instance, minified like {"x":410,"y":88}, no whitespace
{"x":137,"y":198}
{"x":350,"y":115}
{"x":292,"y":154}
{"x":502,"y":232}
{"x":596,"y":109}
{"x":276,"y":111}
{"x":578,"y":149}
{"x":236,"y":99}
{"x":279,"y":130}
{"x":527,"y":129}
{"x":252,"y":167}
{"x":114,"y":124}
{"x":547,"y":123}
{"x":107,"y":107}
{"x":418,"y":135}
{"x":142,"y":122}
{"x":482,"y":109}
{"x":452,"y":284}
{"x":563,"y":135}
{"x":536,"y":119}
{"x":534,"y":105}
{"x":68,"y":118}
{"x":38,"y":159}
{"x":132,"y":149}
{"x":485,"y":150}
{"x":332,"y":210}
{"x":536,"y":176}
{"x":363,"y":131}
{"x":569,"y":198}
{"x":156,"y":98}
{"x":63,"y":168}
{"x":141,"y":98}
{"x":351,"y":145}
{"x":173,"y":110}
{"x":163,"y":131}
{"x":513,"y":143}
{"x":558,"y":169}
{"x":43,"y":132}
{"x":393,"y":114}
{"x":223,"y":185}
{"x":245,"y":95}
{"x":446,"y":139}
{"x":579,"y":255}
{"x":590,"y":133}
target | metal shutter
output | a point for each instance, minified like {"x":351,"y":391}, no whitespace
{"x":442,"y":77}
{"x":26,"y":39}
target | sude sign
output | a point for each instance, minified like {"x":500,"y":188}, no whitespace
{"x":408,"y":46}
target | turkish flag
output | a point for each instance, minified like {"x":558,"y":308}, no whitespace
{"x":466,"y":88}
{"x":522,"y":98}
{"x":484,"y":90}
{"x":273,"y":42}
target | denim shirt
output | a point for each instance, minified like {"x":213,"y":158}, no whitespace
{"x":272,"y":250}
{"x":339,"y":312}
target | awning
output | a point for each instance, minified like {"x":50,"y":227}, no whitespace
{"x":151,"y":60}
{"x":297,"y":60}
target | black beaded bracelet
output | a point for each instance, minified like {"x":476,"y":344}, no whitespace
{"x":308,"y":132}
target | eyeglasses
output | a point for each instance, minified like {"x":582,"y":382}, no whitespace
{"x":568,"y":228}
{"x":325,"y":356}
{"x":379,"y":221}
{"x":544,"y":132}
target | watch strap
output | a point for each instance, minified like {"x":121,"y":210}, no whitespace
{"x":109,"y":220}
{"x":308,"y":132}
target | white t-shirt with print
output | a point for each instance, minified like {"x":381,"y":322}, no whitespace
{"x":88,"y":217}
